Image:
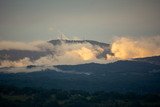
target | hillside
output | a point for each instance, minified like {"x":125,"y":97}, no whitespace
{"x":120,"y":76}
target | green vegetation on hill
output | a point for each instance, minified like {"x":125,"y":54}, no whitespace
{"x":32,"y":97}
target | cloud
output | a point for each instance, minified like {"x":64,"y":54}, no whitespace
{"x":22,"y":62}
{"x":30,"y":46}
{"x":71,"y":54}
{"x":7,"y":45}
{"x":64,"y":53}
{"x":78,"y":53}
{"x":125,"y":48}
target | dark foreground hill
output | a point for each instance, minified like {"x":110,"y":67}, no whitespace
{"x":121,"y":76}
{"x":35,"y":97}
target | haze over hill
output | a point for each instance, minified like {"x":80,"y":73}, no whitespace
{"x":52,"y":52}
{"x":127,"y":64}
{"x":63,"y":51}
{"x":138,"y":75}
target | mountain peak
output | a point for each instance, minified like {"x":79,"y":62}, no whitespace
{"x":60,"y":41}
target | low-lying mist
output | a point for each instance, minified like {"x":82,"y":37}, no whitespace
{"x":59,"y":54}
{"x":78,"y":53}
{"x":126,"y":48}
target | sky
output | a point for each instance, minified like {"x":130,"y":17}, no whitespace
{"x":101,"y":20}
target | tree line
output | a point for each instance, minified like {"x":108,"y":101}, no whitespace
{"x":11,"y":96}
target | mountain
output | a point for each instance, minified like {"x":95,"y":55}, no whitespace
{"x":58,"y":42}
{"x":14,"y":55}
{"x":120,"y":76}
{"x":153,"y":60}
